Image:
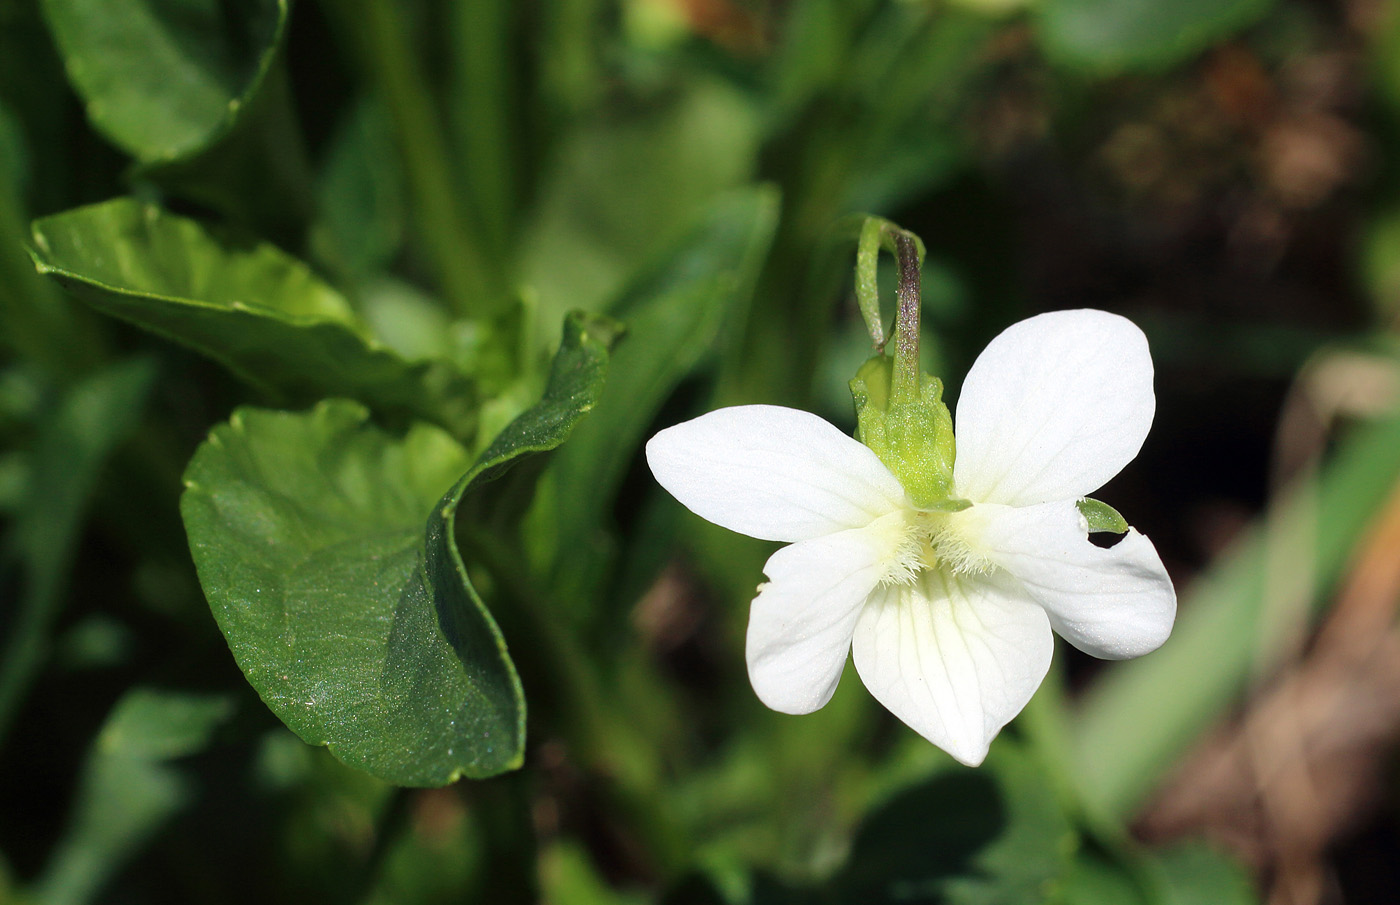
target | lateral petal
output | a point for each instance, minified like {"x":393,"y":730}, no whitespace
{"x":801,"y":622}
{"x":773,"y":473}
{"x":954,"y":658}
{"x":1052,"y":408}
{"x":1114,"y":602}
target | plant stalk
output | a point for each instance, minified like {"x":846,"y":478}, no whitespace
{"x":474,"y":288}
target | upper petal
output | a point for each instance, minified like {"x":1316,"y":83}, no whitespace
{"x":1113,"y":603}
{"x":772,"y":473}
{"x":1052,"y":408}
{"x":955,"y":658}
{"x":801,"y":622}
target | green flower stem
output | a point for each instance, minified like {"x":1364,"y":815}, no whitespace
{"x":900,"y":412}
{"x":877,"y":233}
{"x":502,"y":807}
{"x":482,"y":82}
{"x":474,"y":288}
{"x":570,"y":69}
{"x":390,"y":825}
{"x":904,"y":383}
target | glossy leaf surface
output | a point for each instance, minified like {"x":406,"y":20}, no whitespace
{"x":261,"y":313}
{"x":325,"y":547}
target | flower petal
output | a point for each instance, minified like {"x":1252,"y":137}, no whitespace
{"x":772,"y":473}
{"x":954,"y":657}
{"x":801,"y":622}
{"x":1052,"y":408}
{"x":1113,"y":603}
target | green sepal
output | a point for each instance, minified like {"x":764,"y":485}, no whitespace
{"x":952,"y":504}
{"x":914,"y":438}
{"x":1101,"y":517}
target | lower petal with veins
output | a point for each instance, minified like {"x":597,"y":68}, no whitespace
{"x":956,"y":658}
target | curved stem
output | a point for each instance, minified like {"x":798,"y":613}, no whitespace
{"x":905,"y":380}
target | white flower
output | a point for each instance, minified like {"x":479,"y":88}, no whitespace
{"x":949,"y":614}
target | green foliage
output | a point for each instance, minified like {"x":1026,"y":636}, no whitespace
{"x":675,"y":315}
{"x":60,"y":474}
{"x":164,"y":80}
{"x":621,"y":192}
{"x":348,"y":234}
{"x":247,"y":305}
{"x":357,"y":624}
{"x":129,"y":787}
{"x":1008,"y":842}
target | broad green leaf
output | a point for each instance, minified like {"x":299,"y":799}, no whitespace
{"x":964,"y":837}
{"x":73,"y":443}
{"x":1141,"y":714}
{"x":129,"y":787}
{"x":355,"y":622}
{"x":254,"y":309}
{"x":1123,"y":34}
{"x":163,"y":80}
{"x":674,"y":315}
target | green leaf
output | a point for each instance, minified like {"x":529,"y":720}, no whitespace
{"x":357,"y":625}
{"x":964,"y":837}
{"x":1102,"y":517}
{"x":163,"y":80}
{"x":129,"y":787}
{"x":1123,"y":34}
{"x":254,"y":309}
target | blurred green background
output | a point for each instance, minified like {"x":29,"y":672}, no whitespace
{"x":207,"y":204}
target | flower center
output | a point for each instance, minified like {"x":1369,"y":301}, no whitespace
{"x":939,"y":541}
